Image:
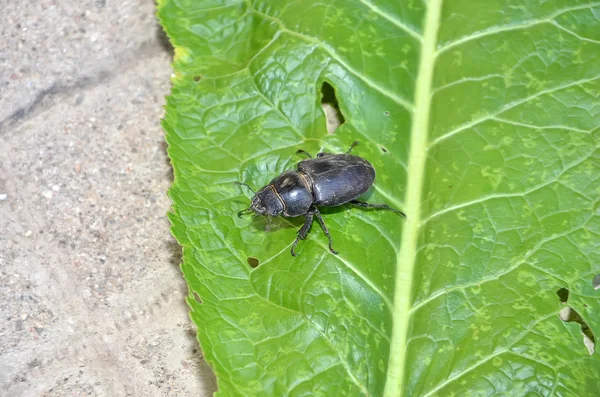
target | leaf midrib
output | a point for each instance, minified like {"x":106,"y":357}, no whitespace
{"x":416,"y":171}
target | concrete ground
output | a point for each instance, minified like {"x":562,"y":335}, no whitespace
{"x":91,"y":296}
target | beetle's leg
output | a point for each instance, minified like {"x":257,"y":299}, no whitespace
{"x":352,"y":146}
{"x":304,"y":152}
{"x":382,"y":206}
{"x":303,"y":230}
{"x":329,"y":154}
{"x":245,"y":211}
{"x":268,"y":227}
{"x":322,"y":222}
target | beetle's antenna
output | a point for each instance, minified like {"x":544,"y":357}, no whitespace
{"x":245,"y":211}
{"x":245,"y":184}
{"x":304,"y":152}
{"x":352,"y":146}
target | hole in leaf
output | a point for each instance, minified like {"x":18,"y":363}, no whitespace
{"x":568,"y":315}
{"x":384,"y":150}
{"x":584,"y":305}
{"x":596,"y":282}
{"x":197,"y":78}
{"x":253,"y":262}
{"x":197,"y":297}
{"x":330,"y":105}
{"x":563,"y":295}
{"x":387,"y":113}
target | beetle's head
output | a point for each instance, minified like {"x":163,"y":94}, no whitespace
{"x":265,"y":202}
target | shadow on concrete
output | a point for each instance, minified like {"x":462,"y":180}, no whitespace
{"x":163,"y":40}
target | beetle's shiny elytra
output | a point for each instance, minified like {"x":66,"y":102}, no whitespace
{"x":329,"y":180}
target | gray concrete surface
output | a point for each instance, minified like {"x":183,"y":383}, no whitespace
{"x":91,"y":296}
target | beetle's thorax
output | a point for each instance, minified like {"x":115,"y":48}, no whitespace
{"x":295,"y":192}
{"x":306,"y":181}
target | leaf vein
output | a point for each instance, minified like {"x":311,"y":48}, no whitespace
{"x":397,"y":22}
{"x":483,"y":199}
{"x":520,"y":26}
{"x":399,"y":100}
{"x":508,"y":107}
{"x":496,"y":354}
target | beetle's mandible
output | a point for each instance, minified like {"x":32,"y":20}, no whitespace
{"x":328,"y":180}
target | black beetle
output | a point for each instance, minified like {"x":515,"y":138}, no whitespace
{"x":326,"y":181}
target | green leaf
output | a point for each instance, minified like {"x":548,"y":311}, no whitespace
{"x":482,"y":121}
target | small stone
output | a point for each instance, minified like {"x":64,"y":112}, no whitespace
{"x":3,"y":196}
{"x":28,"y":233}
{"x":56,"y":188}
{"x":47,"y":194}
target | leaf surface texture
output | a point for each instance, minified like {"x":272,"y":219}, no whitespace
{"x":481,"y":119}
